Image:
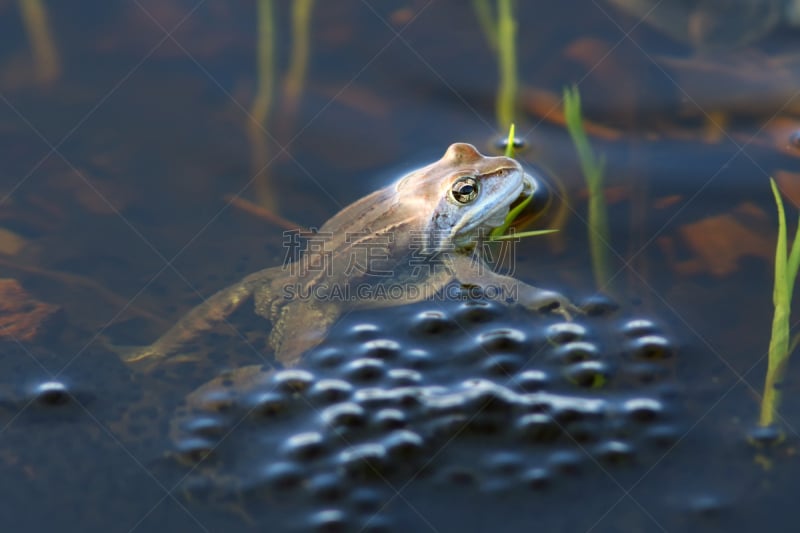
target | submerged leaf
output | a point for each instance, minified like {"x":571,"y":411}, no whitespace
{"x":21,"y":317}
{"x":717,"y":244}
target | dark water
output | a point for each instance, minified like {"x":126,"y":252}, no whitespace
{"x":116,"y":173}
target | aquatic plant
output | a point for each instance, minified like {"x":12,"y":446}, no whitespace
{"x":507,"y":55}
{"x":786,"y":267}
{"x":483,"y":10}
{"x":498,"y":233}
{"x":262,"y":103}
{"x":45,"y":54}
{"x":301,"y":46}
{"x":593,"y":168}
{"x":293,"y":84}
{"x":501,"y":36}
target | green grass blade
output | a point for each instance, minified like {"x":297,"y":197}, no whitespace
{"x":510,"y":152}
{"x":593,"y":169}
{"x":513,"y":213}
{"x":793,"y":263}
{"x":298,"y":62}
{"x":522,"y":234}
{"x":486,"y":20}
{"x":510,"y":217}
{"x":260,"y":108}
{"x":507,"y":56}
{"x":46,"y":57}
{"x":779,"y":290}
{"x":779,"y":341}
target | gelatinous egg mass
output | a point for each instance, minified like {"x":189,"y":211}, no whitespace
{"x":471,"y":394}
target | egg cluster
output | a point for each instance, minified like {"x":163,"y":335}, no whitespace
{"x":468,"y":394}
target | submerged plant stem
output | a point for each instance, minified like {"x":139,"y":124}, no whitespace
{"x":593,"y":169}
{"x":298,"y":62}
{"x":507,"y":56}
{"x":483,"y":10}
{"x":262,"y":103}
{"x":45,"y":53}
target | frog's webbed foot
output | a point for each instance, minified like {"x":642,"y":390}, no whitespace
{"x":136,"y":354}
{"x":145,"y":358}
{"x":200,"y":319}
{"x":508,"y":289}
{"x":545,"y":301}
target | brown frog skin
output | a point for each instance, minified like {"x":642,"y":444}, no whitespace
{"x":387,"y":238}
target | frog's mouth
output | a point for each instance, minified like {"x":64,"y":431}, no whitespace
{"x":525,"y":196}
{"x":515,"y":208}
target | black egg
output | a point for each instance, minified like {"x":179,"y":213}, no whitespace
{"x":366,"y":499}
{"x":218,"y":400}
{"x":390,"y":419}
{"x":327,"y":487}
{"x":363,"y":332}
{"x":293,"y":380}
{"x":567,"y":462}
{"x":404,"y":376}
{"x":614,"y":452}
{"x":363,"y":460}
{"x":268,"y":404}
{"x":364,"y":370}
{"x":643,"y":409}
{"x":205,"y":426}
{"x":347,"y":414}
{"x":651,"y":347}
{"x":538,"y":428}
{"x":384,"y":349}
{"x":639,"y":328}
{"x":416,"y":359}
{"x":51,"y":393}
{"x":501,"y":365}
{"x":329,"y":521}
{"x":327,"y":357}
{"x":531,"y":380}
{"x":765,"y":436}
{"x":477,"y":312}
{"x":194,"y":449}
{"x":588,"y":374}
{"x":536,"y":478}
{"x":330,"y":391}
{"x":284,"y":475}
{"x":565,"y":332}
{"x":305,"y":446}
{"x":599,"y":305}
{"x":403,"y":444}
{"x":433,"y":323}
{"x":502,"y":340}
{"x":573,"y":352}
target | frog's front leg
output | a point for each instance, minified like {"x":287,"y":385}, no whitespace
{"x":469,"y":270}
{"x":202,"y":318}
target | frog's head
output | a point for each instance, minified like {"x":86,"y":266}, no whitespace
{"x":464,"y":195}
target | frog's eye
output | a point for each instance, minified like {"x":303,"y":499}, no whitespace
{"x":464,"y":190}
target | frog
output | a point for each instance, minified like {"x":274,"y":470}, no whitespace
{"x":398,"y":245}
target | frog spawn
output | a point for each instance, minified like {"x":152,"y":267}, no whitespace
{"x":469,"y":395}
